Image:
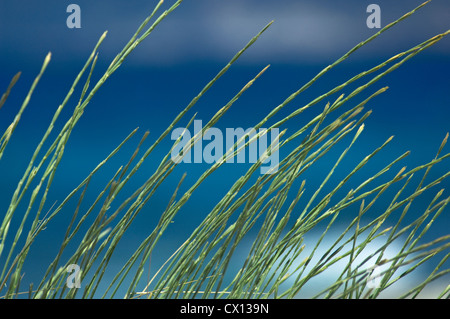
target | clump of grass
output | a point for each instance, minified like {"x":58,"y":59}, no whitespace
{"x":269,"y":211}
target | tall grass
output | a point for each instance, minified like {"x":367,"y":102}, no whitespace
{"x":268,"y":213}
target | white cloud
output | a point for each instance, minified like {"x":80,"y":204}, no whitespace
{"x":328,"y":277}
{"x":303,"y":32}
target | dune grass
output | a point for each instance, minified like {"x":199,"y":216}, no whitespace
{"x":268,"y":211}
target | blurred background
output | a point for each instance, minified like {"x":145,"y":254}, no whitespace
{"x":174,"y":63}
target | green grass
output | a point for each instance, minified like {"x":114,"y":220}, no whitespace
{"x":268,"y":213}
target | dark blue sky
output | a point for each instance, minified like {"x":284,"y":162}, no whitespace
{"x":171,"y":66}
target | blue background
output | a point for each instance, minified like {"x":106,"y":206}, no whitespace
{"x":171,"y":66}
